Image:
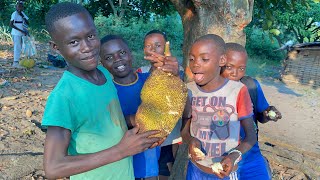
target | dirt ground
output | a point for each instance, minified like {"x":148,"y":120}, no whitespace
{"x":21,"y":145}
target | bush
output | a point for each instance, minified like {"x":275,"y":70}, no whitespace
{"x":5,"y":34}
{"x":133,"y":30}
{"x":260,"y":44}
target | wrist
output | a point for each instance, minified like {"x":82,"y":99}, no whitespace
{"x":235,"y":155}
{"x":119,"y":150}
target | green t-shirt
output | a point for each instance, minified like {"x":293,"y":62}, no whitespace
{"x":93,"y":115}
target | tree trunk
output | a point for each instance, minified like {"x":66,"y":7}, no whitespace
{"x":226,"y":18}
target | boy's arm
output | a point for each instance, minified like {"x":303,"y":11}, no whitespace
{"x":15,"y":27}
{"x":263,"y":107}
{"x":245,"y":145}
{"x":58,"y":164}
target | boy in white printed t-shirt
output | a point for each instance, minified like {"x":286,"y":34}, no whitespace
{"x":18,"y":22}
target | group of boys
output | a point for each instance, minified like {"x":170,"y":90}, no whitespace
{"x":90,"y":113}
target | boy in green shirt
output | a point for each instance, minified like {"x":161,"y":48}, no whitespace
{"x":87,"y":136}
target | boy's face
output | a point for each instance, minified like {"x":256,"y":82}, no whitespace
{"x":205,"y":62}
{"x":235,"y":68}
{"x":116,"y":57}
{"x":155,"y":43}
{"x":76,"y":39}
{"x":19,"y":7}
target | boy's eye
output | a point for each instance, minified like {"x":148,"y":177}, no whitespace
{"x":204,"y":59}
{"x":91,"y":36}
{"x":108,"y":58}
{"x":74,"y":42}
{"x":158,"y":45}
{"x":242,"y":69}
{"x":190,"y":59}
{"x":123,"y":52}
{"x":147,"y":46}
{"x":228,"y":67}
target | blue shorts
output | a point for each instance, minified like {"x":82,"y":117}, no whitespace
{"x":194,"y":173}
{"x":255,"y":169}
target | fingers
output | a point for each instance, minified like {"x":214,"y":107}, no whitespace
{"x":161,"y":141}
{"x":154,"y":145}
{"x":134,"y":130}
{"x":171,"y":65}
{"x":150,"y":133}
{"x":151,"y":142}
{"x":154,"y":57}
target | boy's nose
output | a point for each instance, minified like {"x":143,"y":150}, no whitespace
{"x":117,"y":57}
{"x":86,"y":46}
{"x":234,"y":72}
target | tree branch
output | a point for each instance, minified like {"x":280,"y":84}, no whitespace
{"x":123,"y":8}
{"x":180,"y":5}
{"x":113,"y":8}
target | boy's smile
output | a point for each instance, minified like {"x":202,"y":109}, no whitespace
{"x":77,"y":40}
{"x":117,"y":58}
{"x":235,"y":68}
{"x":205,"y":63}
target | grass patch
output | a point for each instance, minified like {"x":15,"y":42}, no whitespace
{"x":262,"y":68}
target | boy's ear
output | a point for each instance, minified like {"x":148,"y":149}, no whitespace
{"x":223,"y":60}
{"x":54,"y":46}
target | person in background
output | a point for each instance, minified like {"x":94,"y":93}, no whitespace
{"x":19,"y":23}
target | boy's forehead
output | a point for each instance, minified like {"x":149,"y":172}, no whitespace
{"x":204,"y":43}
{"x":75,"y":22}
{"x":153,"y":35}
{"x":114,"y":43}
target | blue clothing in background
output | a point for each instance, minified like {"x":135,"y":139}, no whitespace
{"x":253,"y":166}
{"x":145,"y":164}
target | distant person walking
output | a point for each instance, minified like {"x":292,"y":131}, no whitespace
{"x":19,"y":23}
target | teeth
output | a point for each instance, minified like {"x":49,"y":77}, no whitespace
{"x":121,"y":68}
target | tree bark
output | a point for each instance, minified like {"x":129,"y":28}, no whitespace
{"x":226,"y":18}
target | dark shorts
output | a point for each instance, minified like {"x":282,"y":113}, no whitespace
{"x":166,"y":156}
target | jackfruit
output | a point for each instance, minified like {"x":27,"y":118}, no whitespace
{"x":163,"y":98}
{"x":28,"y":63}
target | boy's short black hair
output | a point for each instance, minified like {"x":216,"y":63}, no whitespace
{"x":235,"y":47}
{"x":217,"y":40}
{"x":19,"y":2}
{"x":156,"y":32}
{"x":62,"y":10}
{"x":110,"y":37}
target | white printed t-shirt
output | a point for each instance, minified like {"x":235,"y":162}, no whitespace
{"x":216,"y":118}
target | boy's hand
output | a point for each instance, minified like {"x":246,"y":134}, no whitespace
{"x":171,"y":65}
{"x":168,"y":64}
{"x":155,"y":59}
{"x":195,"y":152}
{"x":133,"y":142}
{"x":272,"y":114}
{"x":228,"y":164}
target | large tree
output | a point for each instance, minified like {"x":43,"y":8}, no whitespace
{"x":221,"y":17}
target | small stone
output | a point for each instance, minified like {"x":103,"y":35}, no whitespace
{"x":28,"y":113}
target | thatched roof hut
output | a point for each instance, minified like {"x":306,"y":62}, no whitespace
{"x":302,"y":64}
